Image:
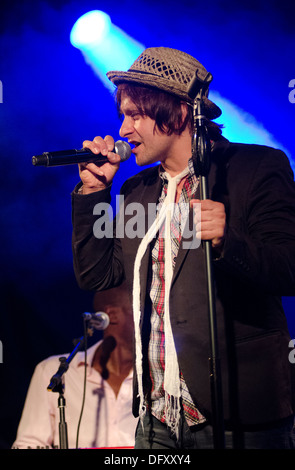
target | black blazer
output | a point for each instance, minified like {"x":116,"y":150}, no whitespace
{"x":256,"y":267}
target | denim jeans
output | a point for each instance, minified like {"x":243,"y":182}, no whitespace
{"x":156,"y":435}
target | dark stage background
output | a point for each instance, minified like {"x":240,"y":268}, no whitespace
{"x":52,"y":100}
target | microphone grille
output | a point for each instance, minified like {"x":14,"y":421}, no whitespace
{"x":100,"y":320}
{"x":123,"y":149}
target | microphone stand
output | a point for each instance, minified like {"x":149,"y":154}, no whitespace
{"x":56,"y":385}
{"x":201,"y":150}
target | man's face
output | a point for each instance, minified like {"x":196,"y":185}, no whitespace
{"x":150,"y":145}
{"x":115,"y":303}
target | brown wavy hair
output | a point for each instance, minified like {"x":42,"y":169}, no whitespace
{"x":164,"y":108}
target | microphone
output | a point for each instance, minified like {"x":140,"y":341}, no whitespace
{"x":99,"y":320}
{"x":70,"y":157}
{"x":197,"y":81}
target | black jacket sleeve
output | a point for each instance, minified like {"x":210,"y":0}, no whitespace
{"x":96,"y":252}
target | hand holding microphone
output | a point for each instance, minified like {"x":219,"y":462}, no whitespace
{"x":96,"y":178}
{"x":99,"y":160}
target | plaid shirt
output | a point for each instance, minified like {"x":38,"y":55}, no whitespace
{"x":156,"y":352}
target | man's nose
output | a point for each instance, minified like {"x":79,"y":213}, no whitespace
{"x":126,"y":127}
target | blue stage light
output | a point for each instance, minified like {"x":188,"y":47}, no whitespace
{"x":90,"y":28}
{"x":104,"y":46}
{"x":241,"y":126}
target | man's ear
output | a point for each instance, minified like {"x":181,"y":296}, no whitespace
{"x":184,"y":111}
{"x":186,"y":118}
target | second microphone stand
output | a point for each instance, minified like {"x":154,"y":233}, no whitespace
{"x":56,"y":385}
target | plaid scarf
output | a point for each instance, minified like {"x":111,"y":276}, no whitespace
{"x":156,"y":353}
{"x":171,"y":373}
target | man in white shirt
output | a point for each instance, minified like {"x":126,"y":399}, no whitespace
{"x":107,"y":419}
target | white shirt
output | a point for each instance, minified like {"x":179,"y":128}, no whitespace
{"x":107,"y":420}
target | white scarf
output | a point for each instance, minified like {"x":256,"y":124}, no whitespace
{"x":171,"y":374}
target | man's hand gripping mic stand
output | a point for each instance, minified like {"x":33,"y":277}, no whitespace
{"x":201,"y":150}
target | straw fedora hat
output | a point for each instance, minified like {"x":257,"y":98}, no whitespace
{"x":169,"y":70}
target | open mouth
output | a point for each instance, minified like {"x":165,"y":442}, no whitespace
{"x":135,"y":144}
